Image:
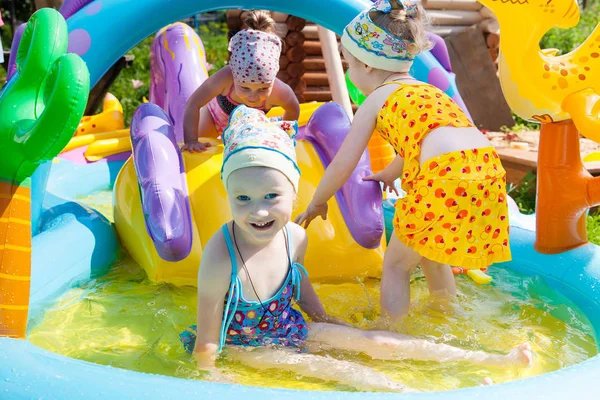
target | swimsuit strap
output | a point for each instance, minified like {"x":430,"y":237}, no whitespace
{"x":397,"y":82}
{"x":296,"y":268}
{"x":235,"y":287}
{"x":228,"y":96}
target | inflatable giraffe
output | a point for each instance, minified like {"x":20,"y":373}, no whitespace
{"x":40,"y":108}
{"x":561,"y":93}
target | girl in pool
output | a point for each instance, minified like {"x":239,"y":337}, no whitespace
{"x":251,"y":274}
{"x":248,"y":79}
{"x":454,"y":212}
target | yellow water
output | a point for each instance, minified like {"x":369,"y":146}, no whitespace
{"x":125,"y":321}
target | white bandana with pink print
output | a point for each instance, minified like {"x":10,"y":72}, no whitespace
{"x":254,"y":56}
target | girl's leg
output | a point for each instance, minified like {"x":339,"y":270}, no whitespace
{"x":385,"y":345}
{"x":440,"y":278}
{"x":314,"y":366}
{"x":399,"y":263}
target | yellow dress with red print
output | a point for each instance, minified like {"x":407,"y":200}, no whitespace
{"x":455,"y":209}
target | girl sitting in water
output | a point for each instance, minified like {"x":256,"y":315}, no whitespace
{"x":248,"y":79}
{"x":251,"y":274}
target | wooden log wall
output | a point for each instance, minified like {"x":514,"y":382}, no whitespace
{"x":449,"y":17}
{"x":302,"y":65}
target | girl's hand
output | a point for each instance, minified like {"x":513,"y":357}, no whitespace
{"x":195,"y":147}
{"x":312,"y":212}
{"x":205,"y":359}
{"x":388,"y":181}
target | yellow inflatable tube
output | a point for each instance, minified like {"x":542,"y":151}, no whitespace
{"x":84,"y":140}
{"x":332,"y":252}
{"x":107,"y":147}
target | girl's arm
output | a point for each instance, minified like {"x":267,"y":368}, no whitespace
{"x":389,"y":175}
{"x":309,"y":300}
{"x":349,"y":154}
{"x":210,"y":88}
{"x":394,"y":170}
{"x":345,"y":160}
{"x":213,"y":281}
{"x":284,"y":96}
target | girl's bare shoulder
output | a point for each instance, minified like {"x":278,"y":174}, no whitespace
{"x":216,"y":262}
{"x":223,"y":78}
{"x":299,"y":238}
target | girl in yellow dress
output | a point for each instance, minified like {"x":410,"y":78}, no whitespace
{"x":455,"y":209}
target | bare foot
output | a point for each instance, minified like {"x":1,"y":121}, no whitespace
{"x":521,"y":355}
{"x":487,"y":381}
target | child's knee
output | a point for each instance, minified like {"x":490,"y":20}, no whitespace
{"x":408,"y":267}
{"x":402,"y":266}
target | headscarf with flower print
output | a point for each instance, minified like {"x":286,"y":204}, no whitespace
{"x":253,"y":140}
{"x":375,"y":46}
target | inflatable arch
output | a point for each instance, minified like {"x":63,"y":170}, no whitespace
{"x":100,"y":44}
{"x":26,"y":371}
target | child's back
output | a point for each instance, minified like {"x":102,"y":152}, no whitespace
{"x":454,"y":212}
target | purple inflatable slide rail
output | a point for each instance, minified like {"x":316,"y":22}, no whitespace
{"x":161,"y":180}
{"x":359,"y":201}
{"x":178,"y":67}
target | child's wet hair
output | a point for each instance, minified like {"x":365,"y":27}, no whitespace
{"x":260,"y":20}
{"x":407,"y":27}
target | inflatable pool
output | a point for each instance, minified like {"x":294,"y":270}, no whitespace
{"x":72,"y":243}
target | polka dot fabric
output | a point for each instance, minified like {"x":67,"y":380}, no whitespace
{"x":409,"y":114}
{"x":455,"y":210}
{"x":254,"y":56}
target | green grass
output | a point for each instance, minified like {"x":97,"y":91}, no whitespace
{"x":593,"y":228}
{"x":524,"y":193}
{"x":214,"y":37}
{"x":565,"y":40}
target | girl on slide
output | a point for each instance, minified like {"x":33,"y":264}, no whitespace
{"x":248,"y":79}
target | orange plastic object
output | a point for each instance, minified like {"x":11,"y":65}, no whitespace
{"x":381,"y":153}
{"x":110,"y":119}
{"x":565,"y":190}
{"x":15,"y":258}
{"x":584,"y":108}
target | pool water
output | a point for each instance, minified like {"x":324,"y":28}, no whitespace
{"x":125,"y":321}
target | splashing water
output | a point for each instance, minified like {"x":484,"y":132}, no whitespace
{"x":126,"y":321}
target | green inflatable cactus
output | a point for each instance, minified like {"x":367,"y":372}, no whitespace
{"x":43,"y":102}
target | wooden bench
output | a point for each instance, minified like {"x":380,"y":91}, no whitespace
{"x":519,"y":163}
